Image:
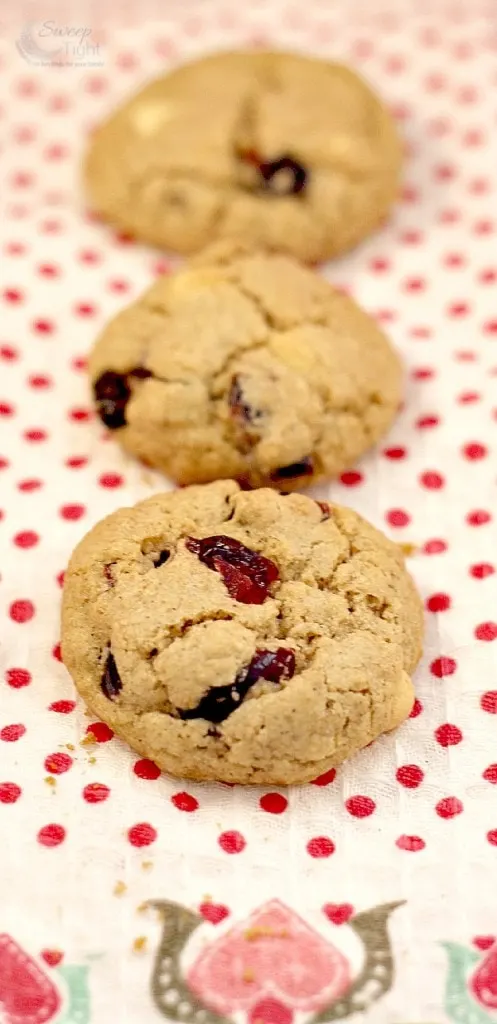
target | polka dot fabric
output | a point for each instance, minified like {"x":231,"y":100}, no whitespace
{"x":414,"y":817}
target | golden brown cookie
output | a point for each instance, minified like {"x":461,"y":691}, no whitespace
{"x":241,"y":635}
{"x":248,"y":366}
{"x":287,"y":151}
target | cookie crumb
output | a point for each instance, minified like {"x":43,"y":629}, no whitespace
{"x":92,"y":760}
{"x":88,"y":740}
{"x":408,"y":549}
{"x":119,"y":888}
{"x":248,"y":975}
{"x":140,"y":944}
{"x":50,"y":781}
{"x":69,"y":746}
{"x":142,"y":907}
{"x":147,"y":865}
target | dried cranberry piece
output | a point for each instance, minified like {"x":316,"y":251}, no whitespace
{"x":325,"y":509}
{"x":111,"y":680}
{"x":220,"y":701}
{"x":294,"y":178}
{"x":246,"y":574}
{"x":111,"y":395}
{"x":238,"y":403}
{"x":303,"y":468}
{"x":161,"y":557}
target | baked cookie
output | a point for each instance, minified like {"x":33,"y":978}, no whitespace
{"x":241,"y":635}
{"x":248,"y":366}
{"x":287,"y":151}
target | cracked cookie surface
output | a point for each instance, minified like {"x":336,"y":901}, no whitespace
{"x":245,"y":365}
{"x":242,"y":636}
{"x":279,"y":149}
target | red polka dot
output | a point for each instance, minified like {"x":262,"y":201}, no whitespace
{"x":35,"y":434}
{"x":100,"y":731}
{"x":481,"y":570}
{"x":409,"y":775}
{"x":57,"y":764}
{"x":17,"y":678}
{"x":62,"y":707}
{"x":119,"y":285}
{"x":422,"y":373}
{"x":321,"y":846}
{"x":56,"y":652}
{"x":360,"y":806}
{"x":448,"y":735}
{"x":89,"y":256}
{"x":273,"y":803}
{"x":95,"y":793}
{"x":76,"y":462}
{"x":449,"y":807}
{"x":379,"y":265}
{"x":454,"y":260}
{"x":40,"y":381}
{"x":13,"y":295}
{"x":12,"y":733}
{"x":351,"y":478}
{"x":79,"y":415}
{"x":416,"y":709}
{"x":468,"y":397}
{"x":9,"y":792}
{"x":326,"y":778}
{"x":48,"y":270}
{"x":465,"y":356}
{"x":458,"y":309}
{"x":26,"y":486}
{"x":4,"y":464}
{"x":146,"y":769}
{"x":395,"y":453}
{"x":21,"y":611}
{"x":432,"y":480}
{"x":434,"y":546}
{"x":412,"y":844}
{"x":414,"y":284}
{"x":488,"y":702}
{"x":8,"y":353}
{"x":443,"y":666}
{"x":26,"y":539}
{"x":478,"y":517}
{"x":142,"y":834}
{"x":72,"y":512}
{"x":492,"y":837}
{"x":426,"y":422}
{"x":184,"y":802}
{"x":60,"y":578}
{"x":490,"y":774}
{"x":43,"y":326}
{"x":438,"y":603}
{"x":111,"y":480}
{"x":85,"y":309}
{"x":487,"y":276}
{"x":486,"y":631}
{"x":397,"y":517}
{"x":232,"y":842}
{"x":474,"y":451}
{"x":51,"y":835}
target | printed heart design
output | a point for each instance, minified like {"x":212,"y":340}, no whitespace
{"x":484,"y":942}
{"x":52,"y":957}
{"x":338,"y":913}
{"x":213,"y":912}
{"x":26,"y":993}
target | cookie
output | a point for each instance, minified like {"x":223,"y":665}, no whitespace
{"x":242,"y":636}
{"x":287,"y":151}
{"x":248,"y":366}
